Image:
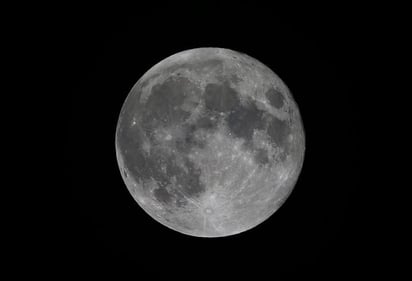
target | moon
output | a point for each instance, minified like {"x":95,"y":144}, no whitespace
{"x":210,"y":142}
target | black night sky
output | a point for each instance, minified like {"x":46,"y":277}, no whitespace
{"x":106,"y":51}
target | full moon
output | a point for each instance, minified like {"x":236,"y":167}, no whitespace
{"x":210,"y":142}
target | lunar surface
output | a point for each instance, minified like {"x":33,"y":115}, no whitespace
{"x":210,"y":142}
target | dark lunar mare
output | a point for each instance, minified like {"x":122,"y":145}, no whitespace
{"x":162,"y":109}
{"x":278,"y":131}
{"x":189,"y":140}
{"x":163,"y":106}
{"x":220,"y":97}
{"x":275,"y":97}
{"x":261,"y":156}
{"x":242,"y":120}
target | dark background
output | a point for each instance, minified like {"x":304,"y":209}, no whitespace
{"x":319,"y":55}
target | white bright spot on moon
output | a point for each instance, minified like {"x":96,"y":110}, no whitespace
{"x":141,"y":200}
{"x":283,"y":173}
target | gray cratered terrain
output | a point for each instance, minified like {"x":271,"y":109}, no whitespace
{"x":210,"y":142}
